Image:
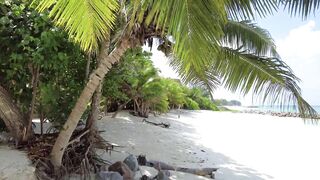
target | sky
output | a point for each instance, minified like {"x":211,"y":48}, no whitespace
{"x":298,"y":43}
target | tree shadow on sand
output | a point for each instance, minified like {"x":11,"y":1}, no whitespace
{"x":181,"y":146}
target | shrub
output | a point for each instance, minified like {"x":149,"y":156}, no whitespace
{"x":191,"y":104}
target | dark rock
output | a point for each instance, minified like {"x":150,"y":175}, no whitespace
{"x":123,"y":169}
{"x":5,"y":137}
{"x":145,"y":177}
{"x":132,"y":162}
{"x":142,"y":160}
{"x":163,"y":175}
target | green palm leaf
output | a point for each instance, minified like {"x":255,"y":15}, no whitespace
{"x":194,"y":27}
{"x":207,"y":78}
{"x":247,"y":60}
{"x":249,"y":36}
{"x":301,"y":7}
{"x":270,"y":78}
{"x":86,"y":21}
{"x":250,"y":61}
{"x":194,"y":30}
{"x":247,"y":9}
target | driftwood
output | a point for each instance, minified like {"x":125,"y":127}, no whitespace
{"x":160,"y":166}
{"x":164,"y":125}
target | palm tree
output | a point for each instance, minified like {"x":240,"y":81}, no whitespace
{"x":203,"y":44}
{"x":12,"y":117}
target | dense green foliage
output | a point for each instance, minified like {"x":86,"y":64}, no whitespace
{"x":199,"y":99}
{"x":209,"y":41}
{"x":135,"y":81}
{"x":31,"y":45}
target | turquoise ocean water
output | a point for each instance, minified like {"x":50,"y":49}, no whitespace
{"x":287,"y":108}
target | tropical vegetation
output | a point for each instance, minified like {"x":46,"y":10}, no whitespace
{"x":208,"y":42}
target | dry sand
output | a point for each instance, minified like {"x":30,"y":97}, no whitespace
{"x":15,"y":165}
{"x":243,"y":146}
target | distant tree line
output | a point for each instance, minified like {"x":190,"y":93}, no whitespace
{"x":224,"y":102}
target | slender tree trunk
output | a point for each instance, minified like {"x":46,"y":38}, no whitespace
{"x":137,"y":105}
{"x":95,"y":104}
{"x":35,"y":79}
{"x":106,"y":107}
{"x":134,"y":106}
{"x":120,"y":108}
{"x":41,"y":122}
{"x":11,"y":115}
{"x":95,"y":108}
{"x":81,"y":104}
{"x":88,"y":68}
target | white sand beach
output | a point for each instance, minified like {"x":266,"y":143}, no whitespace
{"x":243,"y":146}
{"x":15,"y":165}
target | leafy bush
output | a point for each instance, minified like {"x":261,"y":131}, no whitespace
{"x":30,"y":42}
{"x":191,"y":104}
{"x":201,"y":97}
{"x":207,"y":104}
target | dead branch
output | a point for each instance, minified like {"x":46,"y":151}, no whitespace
{"x":160,"y":166}
{"x":77,"y":139}
{"x":164,"y":125}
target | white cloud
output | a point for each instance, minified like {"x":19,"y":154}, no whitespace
{"x":301,"y":51}
{"x":301,"y":43}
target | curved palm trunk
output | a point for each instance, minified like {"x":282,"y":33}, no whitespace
{"x":95,"y":105}
{"x":12,"y":117}
{"x":82,"y":102}
{"x":35,"y":81}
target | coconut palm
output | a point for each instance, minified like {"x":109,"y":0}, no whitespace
{"x":204,"y":45}
{"x":248,"y":60}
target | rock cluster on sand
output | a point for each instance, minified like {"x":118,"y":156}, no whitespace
{"x":279,"y":114}
{"x":128,"y":170}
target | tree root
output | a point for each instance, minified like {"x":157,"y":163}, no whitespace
{"x":79,"y":157}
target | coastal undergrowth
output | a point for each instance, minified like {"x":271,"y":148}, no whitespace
{"x":80,"y":156}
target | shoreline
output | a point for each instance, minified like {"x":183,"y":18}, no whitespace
{"x":256,"y":110}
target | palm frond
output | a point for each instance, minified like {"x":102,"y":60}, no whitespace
{"x":248,"y":9}
{"x":301,"y":7}
{"x":248,"y":36}
{"x":248,"y":60}
{"x":206,"y":78}
{"x":194,"y":29}
{"x":270,"y":78}
{"x":86,"y":21}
